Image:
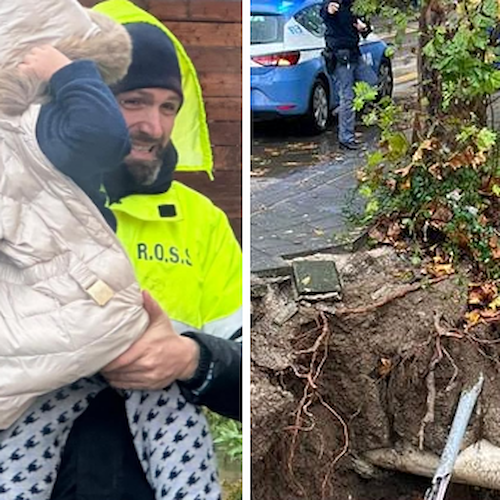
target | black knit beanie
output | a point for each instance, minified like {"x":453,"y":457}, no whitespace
{"x":154,"y":61}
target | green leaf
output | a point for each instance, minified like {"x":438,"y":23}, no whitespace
{"x":390,"y":51}
{"x":429,"y":50}
{"x":375,"y":158}
{"x":372,"y":207}
{"x":486,"y":139}
{"x":398,"y":145}
{"x":365,"y":190}
{"x":363,"y":93}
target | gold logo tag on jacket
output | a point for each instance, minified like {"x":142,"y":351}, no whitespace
{"x":100,"y":292}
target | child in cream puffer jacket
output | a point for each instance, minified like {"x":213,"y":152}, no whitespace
{"x":69,"y":301}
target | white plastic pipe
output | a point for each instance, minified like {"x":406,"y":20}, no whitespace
{"x":477,"y":465}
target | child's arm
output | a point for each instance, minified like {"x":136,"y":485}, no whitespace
{"x":81,"y":130}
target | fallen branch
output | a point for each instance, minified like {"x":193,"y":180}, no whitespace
{"x":344,"y":311}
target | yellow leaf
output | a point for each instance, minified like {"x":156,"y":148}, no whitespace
{"x":475,"y":298}
{"x":472,"y":317}
{"x":404,"y":171}
{"x":440,"y":269}
{"x":306,"y":280}
{"x":385,"y":367}
{"x":406,"y":185}
{"x":494,"y":304}
{"x":427,"y":145}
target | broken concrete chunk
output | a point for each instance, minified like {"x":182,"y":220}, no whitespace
{"x":286,"y":313}
{"x":313,"y":277}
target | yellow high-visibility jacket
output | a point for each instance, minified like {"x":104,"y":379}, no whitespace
{"x":185,"y":253}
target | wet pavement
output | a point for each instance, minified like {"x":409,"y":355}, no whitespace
{"x":301,"y":207}
{"x":302,"y":187}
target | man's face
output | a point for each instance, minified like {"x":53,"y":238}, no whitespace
{"x":150,"y":116}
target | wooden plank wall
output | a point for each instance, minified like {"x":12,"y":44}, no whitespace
{"x":210,"y":31}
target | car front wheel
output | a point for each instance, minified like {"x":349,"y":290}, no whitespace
{"x":317,"y":118}
{"x":385,"y":79}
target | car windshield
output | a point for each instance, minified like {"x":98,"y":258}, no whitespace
{"x":265,"y":28}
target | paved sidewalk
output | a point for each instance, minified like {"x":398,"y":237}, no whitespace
{"x":301,"y":212}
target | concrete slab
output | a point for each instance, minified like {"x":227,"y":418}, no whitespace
{"x":314,"y":277}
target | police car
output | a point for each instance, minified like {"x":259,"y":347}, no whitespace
{"x":288,"y":73}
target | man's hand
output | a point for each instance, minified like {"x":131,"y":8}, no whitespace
{"x":43,"y":61}
{"x":157,"y":359}
{"x":333,"y":8}
{"x":360,"y":25}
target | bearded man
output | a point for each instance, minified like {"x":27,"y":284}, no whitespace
{"x":185,"y":254}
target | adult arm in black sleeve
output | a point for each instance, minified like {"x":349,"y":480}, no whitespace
{"x":217,"y":381}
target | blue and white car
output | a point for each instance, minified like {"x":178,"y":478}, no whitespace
{"x":288,"y":72}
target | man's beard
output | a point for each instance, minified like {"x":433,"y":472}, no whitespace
{"x":145,"y":172}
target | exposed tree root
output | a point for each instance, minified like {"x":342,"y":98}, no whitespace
{"x":431,"y":400}
{"x":304,"y":420}
{"x":343,"y":311}
{"x":430,"y":379}
{"x":342,"y":452}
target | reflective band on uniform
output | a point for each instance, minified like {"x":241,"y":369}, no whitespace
{"x":225,"y":327}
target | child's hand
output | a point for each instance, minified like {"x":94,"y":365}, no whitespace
{"x":43,"y":61}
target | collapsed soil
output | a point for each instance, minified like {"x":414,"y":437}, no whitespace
{"x":373,"y":377}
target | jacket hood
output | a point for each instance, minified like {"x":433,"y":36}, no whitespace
{"x":77,"y":32}
{"x":190,"y":134}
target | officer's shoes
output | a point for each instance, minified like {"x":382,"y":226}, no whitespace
{"x":351,"y":146}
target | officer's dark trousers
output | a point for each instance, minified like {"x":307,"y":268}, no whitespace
{"x":99,"y":460}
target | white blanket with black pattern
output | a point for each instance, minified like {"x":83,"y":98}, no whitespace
{"x":171,"y":437}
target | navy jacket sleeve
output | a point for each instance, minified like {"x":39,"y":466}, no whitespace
{"x":81,"y":130}
{"x":217,"y":383}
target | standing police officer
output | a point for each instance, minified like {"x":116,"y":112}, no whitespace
{"x":342,"y":40}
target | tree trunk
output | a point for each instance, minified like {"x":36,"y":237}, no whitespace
{"x":429,"y":88}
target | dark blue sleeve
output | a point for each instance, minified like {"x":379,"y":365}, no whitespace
{"x":81,"y":130}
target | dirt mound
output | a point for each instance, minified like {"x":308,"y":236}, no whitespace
{"x":335,"y":380}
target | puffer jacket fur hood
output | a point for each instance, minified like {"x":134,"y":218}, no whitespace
{"x":69,"y":300}
{"x":77,"y":32}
